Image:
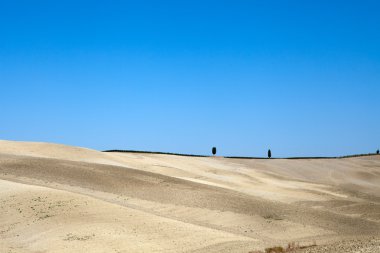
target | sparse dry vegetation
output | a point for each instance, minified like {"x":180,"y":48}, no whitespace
{"x":291,"y":247}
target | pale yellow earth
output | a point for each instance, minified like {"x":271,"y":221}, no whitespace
{"x":57,"y":198}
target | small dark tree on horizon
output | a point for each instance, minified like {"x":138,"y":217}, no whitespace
{"x":214,"y":150}
{"x":377,"y":152}
{"x":269,"y":153}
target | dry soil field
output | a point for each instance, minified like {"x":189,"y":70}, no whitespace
{"x":56,"y":198}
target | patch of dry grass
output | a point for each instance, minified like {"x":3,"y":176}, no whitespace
{"x":292,"y":247}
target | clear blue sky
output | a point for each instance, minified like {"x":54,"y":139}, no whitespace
{"x":299,"y":77}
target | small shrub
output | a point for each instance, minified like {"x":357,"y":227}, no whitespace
{"x":292,"y":247}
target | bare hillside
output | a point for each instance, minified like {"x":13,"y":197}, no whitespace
{"x":56,"y":198}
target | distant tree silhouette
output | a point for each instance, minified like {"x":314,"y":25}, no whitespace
{"x":269,"y":153}
{"x":214,"y":150}
{"x":377,"y":152}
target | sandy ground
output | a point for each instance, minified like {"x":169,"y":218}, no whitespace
{"x":57,"y":198}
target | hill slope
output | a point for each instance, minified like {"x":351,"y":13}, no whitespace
{"x":57,"y":198}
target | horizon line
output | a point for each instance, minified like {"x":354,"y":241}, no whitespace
{"x":239,"y":157}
